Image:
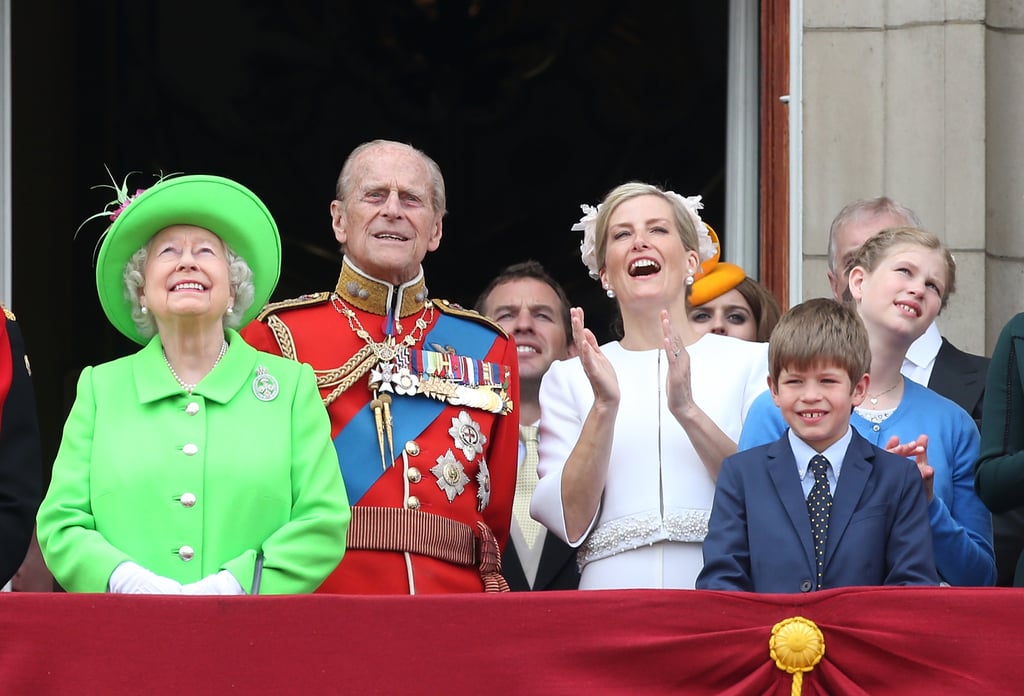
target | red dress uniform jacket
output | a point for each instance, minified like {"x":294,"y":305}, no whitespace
{"x":455,"y":460}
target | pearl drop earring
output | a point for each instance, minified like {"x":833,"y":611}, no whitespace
{"x":231,"y":309}
{"x":144,"y":309}
{"x":689,"y":279}
{"x":609,"y":292}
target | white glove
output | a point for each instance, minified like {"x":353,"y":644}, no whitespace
{"x":131,"y":578}
{"x":222,"y":583}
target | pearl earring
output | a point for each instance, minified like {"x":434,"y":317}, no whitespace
{"x":144,"y":309}
{"x":609,"y":292}
{"x":689,"y":279}
{"x":231,"y":309}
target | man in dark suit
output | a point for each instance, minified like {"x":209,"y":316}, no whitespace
{"x":20,"y":460}
{"x":931,"y":360}
{"x":821,"y":507}
{"x":533,"y":308}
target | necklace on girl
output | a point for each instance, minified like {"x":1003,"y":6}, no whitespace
{"x":874,"y":398}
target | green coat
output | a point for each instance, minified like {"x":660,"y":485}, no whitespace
{"x":999,"y":474}
{"x":261,"y":476}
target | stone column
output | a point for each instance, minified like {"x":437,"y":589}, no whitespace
{"x":894,"y":104}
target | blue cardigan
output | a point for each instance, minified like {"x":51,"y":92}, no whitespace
{"x":961,"y":524}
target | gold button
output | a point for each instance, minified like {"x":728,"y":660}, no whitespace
{"x":412,"y":448}
{"x":414,"y":474}
{"x":413,"y":503}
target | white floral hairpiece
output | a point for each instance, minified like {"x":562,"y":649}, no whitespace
{"x":706,"y":247}
{"x":588,"y":247}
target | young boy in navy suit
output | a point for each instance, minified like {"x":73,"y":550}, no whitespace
{"x":784,"y":519}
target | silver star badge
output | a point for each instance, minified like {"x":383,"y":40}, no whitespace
{"x":483,"y":491}
{"x":450,"y":474}
{"x":466,"y":434}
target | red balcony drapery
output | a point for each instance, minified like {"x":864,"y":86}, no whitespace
{"x":877,"y":641}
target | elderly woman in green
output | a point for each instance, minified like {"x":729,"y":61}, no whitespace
{"x":197,"y":465}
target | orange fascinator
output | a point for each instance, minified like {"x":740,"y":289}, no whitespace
{"x":714,"y":278}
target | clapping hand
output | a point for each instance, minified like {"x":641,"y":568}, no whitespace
{"x":918,"y":449}
{"x":678,"y":389}
{"x":596,"y":366}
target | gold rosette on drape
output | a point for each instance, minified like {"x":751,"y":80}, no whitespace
{"x":796,"y":645}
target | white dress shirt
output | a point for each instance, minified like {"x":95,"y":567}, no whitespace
{"x":920,"y":358}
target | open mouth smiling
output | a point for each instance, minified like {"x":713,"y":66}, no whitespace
{"x":812,"y":415}
{"x":644,"y":267}
{"x":909,"y":308}
{"x":189,"y":285}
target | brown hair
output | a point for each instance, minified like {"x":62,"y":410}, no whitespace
{"x":534,"y":270}
{"x":763,"y":305}
{"x":819,"y":331}
{"x":876,"y":248}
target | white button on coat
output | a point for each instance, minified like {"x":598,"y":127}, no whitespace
{"x":188,"y":499}
{"x":190,"y":449}
{"x":186,"y":553}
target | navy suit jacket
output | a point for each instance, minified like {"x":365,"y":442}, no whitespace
{"x":759,"y":535}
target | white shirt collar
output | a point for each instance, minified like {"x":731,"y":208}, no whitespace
{"x":922,"y":352}
{"x":835,"y":453}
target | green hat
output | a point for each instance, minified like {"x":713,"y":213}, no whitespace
{"x":219,"y":205}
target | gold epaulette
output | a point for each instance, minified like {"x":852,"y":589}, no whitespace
{"x":300,"y":301}
{"x":455,"y":310}
{"x":7,"y":313}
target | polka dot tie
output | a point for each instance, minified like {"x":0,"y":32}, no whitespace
{"x":526,"y":482}
{"x":819,"y":505}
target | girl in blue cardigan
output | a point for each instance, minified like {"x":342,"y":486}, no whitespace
{"x":899,"y":280}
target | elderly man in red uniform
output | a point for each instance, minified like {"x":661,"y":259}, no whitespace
{"x":422,"y":395}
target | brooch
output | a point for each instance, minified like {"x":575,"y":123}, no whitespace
{"x":265,"y":386}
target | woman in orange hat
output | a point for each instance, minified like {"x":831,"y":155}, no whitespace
{"x":725,"y":301}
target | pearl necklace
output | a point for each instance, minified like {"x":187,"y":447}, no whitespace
{"x":185,"y":385}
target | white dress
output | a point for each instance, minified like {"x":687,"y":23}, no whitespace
{"x":654,"y":511}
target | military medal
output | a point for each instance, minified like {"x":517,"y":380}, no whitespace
{"x":462,"y":381}
{"x":466,"y":435}
{"x":450,"y":474}
{"x":483,"y":490}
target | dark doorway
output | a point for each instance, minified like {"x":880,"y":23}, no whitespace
{"x":530,"y":108}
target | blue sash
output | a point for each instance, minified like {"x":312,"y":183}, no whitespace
{"x":411,"y":415}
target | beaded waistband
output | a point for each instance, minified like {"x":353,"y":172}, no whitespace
{"x":628,"y":533}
